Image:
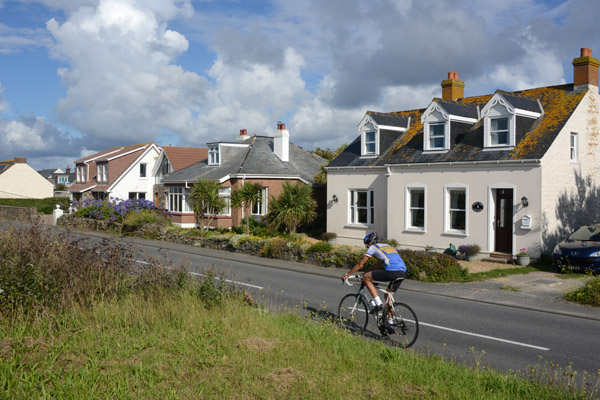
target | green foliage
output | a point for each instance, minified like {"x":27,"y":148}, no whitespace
{"x":432,"y":267}
{"x":329,"y":154}
{"x":327,"y":236}
{"x":206,"y":201}
{"x":272,"y":248}
{"x":294,"y":206}
{"x":321,"y":247}
{"x":248,"y":194}
{"x":588,"y":294}
{"x":391,"y":242}
{"x":43,"y":206}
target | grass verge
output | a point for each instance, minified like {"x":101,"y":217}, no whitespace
{"x":173,"y":346}
{"x":589,"y":294}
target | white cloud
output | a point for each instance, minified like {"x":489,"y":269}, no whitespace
{"x":4,"y":106}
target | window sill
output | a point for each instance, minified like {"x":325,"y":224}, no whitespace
{"x":358,"y":226}
{"x":435,"y":151}
{"x":498,"y":148}
{"x":455,"y":233}
{"x":414,"y":230}
{"x":369,"y":155}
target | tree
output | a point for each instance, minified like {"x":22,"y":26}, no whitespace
{"x":293,"y":207}
{"x":329,"y":155}
{"x":206,"y":200}
{"x":244,"y":197}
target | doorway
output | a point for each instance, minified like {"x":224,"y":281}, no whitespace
{"x":504,"y":221}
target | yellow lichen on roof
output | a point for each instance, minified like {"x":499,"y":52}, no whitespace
{"x":558,"y":106}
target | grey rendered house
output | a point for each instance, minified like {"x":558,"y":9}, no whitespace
{"x":269,"y":161}
{"x":506,"y":171}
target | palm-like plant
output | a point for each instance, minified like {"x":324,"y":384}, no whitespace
{"x":244,"y":197}
{"x":293,"y":207}
{"x":206,"y":200}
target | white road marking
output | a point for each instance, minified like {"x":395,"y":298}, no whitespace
{"x":485,"y":336}
{"x":216,"y":277}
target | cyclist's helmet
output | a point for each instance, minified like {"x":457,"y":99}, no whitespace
{"x":371,"y":238}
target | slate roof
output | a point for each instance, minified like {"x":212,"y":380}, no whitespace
{"x":255,"y":158}
{"x":458,"y":109}
{"x":389,"y":119}
{"x":533,"y":136}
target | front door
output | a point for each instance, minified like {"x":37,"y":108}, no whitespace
{"x":504,"y":220}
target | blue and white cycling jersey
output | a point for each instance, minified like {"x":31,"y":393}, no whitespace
{"x":389,"y":256}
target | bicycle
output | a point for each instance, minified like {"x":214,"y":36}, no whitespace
{"x":354,"y":310}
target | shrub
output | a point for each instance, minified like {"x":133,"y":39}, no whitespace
{"x":588,"y":294}
{"x":273,"y":247}
{"x":46,"y":270}
{"x":391,"y":242}
{"x":321,"y":247}
{"x":469,"y":250}
{"x":432,"y":267}
{"x":327,"y":236}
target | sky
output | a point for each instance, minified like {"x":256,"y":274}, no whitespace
{"x":80,"y":76}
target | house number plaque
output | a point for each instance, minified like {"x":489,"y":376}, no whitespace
{"x":477,"y":206}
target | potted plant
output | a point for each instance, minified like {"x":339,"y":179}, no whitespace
{"x":469,"y":251}
{"x":523,"y":258}
{"x":429,"y":249}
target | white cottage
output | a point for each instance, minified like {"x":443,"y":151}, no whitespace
{"x":506,"y":171}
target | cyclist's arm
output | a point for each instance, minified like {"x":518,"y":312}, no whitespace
{"x":357,"y":267}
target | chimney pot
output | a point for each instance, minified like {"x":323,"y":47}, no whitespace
{"x":68,"y":170}
{"x":585,"y":52}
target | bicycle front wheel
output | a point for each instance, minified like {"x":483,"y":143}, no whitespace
{"x":353,"y":313}
{"x":400,"y":324}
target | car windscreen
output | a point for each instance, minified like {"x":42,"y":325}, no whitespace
{"x":587,"y":233}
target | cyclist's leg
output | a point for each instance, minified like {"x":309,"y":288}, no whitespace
{"x":368,"y":280}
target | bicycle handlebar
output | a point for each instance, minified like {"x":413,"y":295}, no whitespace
{"x":356,"y":278}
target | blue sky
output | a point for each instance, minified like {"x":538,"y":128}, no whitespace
{"x":78,"y":77}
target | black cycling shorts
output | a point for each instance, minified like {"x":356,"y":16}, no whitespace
{"x":388,"y":276}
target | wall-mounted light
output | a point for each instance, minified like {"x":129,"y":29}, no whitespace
{"x":335,"y":198}
{"x":524,"y":201}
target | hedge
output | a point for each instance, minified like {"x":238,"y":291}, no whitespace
{"x":43,"y":206}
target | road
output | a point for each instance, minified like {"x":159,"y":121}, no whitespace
{"x":465,"y":331}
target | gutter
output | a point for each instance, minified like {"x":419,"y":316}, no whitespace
{"x":442,"y":163}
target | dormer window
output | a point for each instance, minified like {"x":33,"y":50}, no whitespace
{"x":500,"y":118}
{"x":499,"y":132}
{"x":213,"y":155}
{"x":437,"y":121}
{"x":437,"y":136}
{"x":370,"y":144}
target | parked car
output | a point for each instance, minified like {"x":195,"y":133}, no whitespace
{"x":580,"y":251}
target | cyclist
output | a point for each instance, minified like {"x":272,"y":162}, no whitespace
{"x":388,"y":256}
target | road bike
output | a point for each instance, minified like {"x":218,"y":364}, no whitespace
{"x":396,"y":321}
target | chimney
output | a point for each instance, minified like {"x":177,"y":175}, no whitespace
{"x":68,"y":170}
{"x":282,"y":143}
{"x":453,"y":88}
{"x":585,"y":70}
{"x":20,"y":160}
{"x":243,"y":135}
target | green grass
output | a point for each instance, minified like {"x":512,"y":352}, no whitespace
{"x":589,"y":294}
{"x":173,"y":347}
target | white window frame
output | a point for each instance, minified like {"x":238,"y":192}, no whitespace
{"x":447,"y":210}
{"x":353,"y":207}
{"x":374,"y":142}
{"x":262,"y":205}
{"x":509,"y":132}
{"x":143,"y":170}
{"x":428,"y":136}
{"x":214,"y":155}
{"x":137,"y":195}
{"x":409,"y":209}
{"x":226,"y":194}
{"x":102,"y":172}
{"x":176,"y":193}
{"x":80,"y":174}
{"x":574,"y":147}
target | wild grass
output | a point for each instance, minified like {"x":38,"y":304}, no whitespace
{"x":166,"y":336}
{"x":589,"y":294}
{"x":173,"y":346}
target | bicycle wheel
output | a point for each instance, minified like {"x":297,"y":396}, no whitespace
{"x":404,"y":328}
{"x":353,"y":313}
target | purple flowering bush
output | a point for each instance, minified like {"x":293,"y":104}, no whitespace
{"x":114,"y":210}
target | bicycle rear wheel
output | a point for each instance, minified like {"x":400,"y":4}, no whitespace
{"x":404,"y":328}
{"x":353,"y":313}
